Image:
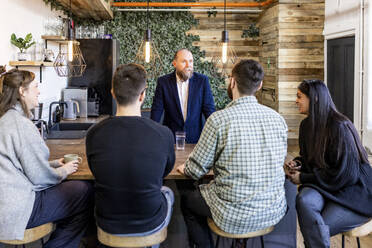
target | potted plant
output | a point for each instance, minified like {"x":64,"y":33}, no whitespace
{"x":23,"y":44}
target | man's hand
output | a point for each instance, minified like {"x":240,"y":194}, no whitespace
{"x":181,"y":169}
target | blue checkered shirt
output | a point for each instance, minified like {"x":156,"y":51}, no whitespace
{"x":245,"y":145}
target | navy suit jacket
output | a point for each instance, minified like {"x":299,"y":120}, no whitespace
{"x":200,"y":101}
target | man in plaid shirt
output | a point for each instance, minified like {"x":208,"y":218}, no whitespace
{"x":245,"y":145}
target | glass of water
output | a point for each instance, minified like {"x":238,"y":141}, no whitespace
{"x":180,"y":140}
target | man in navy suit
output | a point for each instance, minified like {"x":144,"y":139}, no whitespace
{"x":183,"y":95}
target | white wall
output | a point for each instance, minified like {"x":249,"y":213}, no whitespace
{"x":28,"y":16}
{"x":367,"y":116}
{"x":343,"y":18}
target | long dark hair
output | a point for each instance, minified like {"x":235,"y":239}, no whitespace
{"x":10,"y":82}
{"x":323,"y":117}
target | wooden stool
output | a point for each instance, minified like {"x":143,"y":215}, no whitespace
{"x":130,"y":241}
{"x":357,"y":232}
{"x":244,"y":236}
{"x":32,"y":235}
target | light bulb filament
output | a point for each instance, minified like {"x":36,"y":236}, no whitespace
{"x":147,"y":51}
{"x":224,"y":52}
{"x":70,"y":50}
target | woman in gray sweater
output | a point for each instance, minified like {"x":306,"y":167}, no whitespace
{"x":31,"y":189}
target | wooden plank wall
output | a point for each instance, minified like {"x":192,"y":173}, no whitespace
{"x":290,"y":48}
{"x":300,"y":52}
{"x":210,"y":28}
{"x":269,"y":34}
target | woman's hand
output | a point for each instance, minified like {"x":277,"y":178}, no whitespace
{"x":71,"y":167}
{"x":291,"y":167}
{"x":294,"y":177}
{"x":60,"y":162}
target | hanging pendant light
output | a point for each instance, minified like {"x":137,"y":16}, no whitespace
{"x":225,"y":56}
{"x":70,"y":61}
{"x":147,"y":54}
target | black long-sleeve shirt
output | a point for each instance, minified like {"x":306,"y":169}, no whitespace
{"x":345,"y":180}
{"x":129,"y":157}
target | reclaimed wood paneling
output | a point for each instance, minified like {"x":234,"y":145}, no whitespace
{"x":269,"y":32}
{"x":292,"y":50}
{"x":300,"y":52}
{"x":209,"y":30}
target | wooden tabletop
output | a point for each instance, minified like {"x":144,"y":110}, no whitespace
{"x":58,"y":148}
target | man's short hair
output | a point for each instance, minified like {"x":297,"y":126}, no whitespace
{"x":248,"y":75}
{"x":179,"y":50}
{"x":128,"y":83}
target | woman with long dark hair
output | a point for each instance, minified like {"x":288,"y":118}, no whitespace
{"x":333,"y":169}
{"x":32,"y":191}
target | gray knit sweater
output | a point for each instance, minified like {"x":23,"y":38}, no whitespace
{"x":24,"y":169}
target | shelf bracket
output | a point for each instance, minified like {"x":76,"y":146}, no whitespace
{"x":41,"y":72}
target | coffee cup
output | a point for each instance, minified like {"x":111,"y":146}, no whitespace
{"x":71,"y":157}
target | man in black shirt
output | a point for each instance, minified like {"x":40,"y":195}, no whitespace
{"x":129,"y":156}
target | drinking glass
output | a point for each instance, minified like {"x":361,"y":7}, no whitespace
{"x":180,"y":140}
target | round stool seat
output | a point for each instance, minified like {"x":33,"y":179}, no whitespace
{"x":221,"y":233}
{"x":130,"y":241}
{"x":32,"y":234}
{"x":360,"y":231}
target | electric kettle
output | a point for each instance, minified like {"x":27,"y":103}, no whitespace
{"x":71,"y":110}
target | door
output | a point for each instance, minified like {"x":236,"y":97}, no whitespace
{"x":340,"y":73}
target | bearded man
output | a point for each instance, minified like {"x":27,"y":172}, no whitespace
{"x":184,"y":96}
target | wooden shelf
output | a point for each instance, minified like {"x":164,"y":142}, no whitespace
{"x":57,"y":39}
{"x":39,"y":64}
{"x":53,"y":37}
{"x":30,"y":63}
{"x":95,"y":9}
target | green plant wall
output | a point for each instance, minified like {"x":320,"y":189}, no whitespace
{"x":169,"y":34}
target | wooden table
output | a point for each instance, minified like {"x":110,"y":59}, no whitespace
{"x":58,"y":148}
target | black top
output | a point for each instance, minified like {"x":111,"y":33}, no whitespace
{"x":129,"y":157}
{"x":346,"y":181}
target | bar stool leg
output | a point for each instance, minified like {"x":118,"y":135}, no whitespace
{"x":42,"y":242}
{"x":24,"y":246}
{"x":358,"y":242}
{"x":217,"y":241}
{"x":262,"y":242}
{"x":233,"y":243}
{"x":343,"y":241}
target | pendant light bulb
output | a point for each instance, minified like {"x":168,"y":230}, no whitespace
{"x":147,"y":46}
{"x":70,"y":51}
{"x":147,"y":51}
{"x":224,"y":52}
{"x":224,"y":41}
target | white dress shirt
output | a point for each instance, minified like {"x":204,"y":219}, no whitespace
{"x":183,"y":94}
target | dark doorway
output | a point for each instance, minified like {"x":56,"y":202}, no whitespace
{"x":340,"y":74}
